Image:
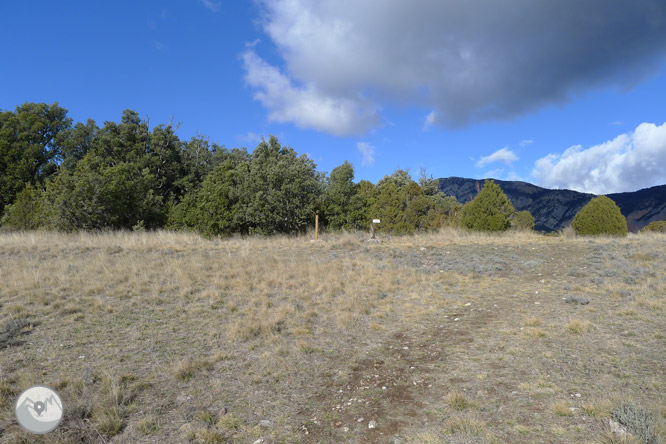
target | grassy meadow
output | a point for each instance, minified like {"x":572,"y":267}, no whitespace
{"x":164,"y":337}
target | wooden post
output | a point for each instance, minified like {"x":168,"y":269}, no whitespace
{"x":374,"y":221}
{"x":316,"y":227}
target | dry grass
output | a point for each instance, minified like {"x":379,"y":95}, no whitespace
{"x":446,"y":337}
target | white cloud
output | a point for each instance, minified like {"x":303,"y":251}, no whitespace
{"x":504,"y":155}
{"x":493,"y":174}
{"x":629,"y":162}
{"x":526,"y":142}
{"x":306,"y":106}
{"x":250,"y":138}
{"x":514,"y":176}
{"x":467,"y":61}
{"x":431,"y":118}
{"x":213,"y":6}
{"x":367,"y":152}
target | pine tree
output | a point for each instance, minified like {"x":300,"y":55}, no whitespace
{"x":490,"y":210}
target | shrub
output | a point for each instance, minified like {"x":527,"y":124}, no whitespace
{"x":27,"y":211}
{"x":522,"y":221}
{"x":600,"y":216}
{"x":490,"y":210}
{"x":638,"y":422}
{"x":658,"y":226}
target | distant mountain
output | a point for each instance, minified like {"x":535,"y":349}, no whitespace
{"x":555,"y":209}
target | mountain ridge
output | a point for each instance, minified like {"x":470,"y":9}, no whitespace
{"x":555,"y":209}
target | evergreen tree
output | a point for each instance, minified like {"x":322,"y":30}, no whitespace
{"x":209,"y":209}
{"x":276,"y":190}
{"x":657,"y":226}
{"x":28,"y":147}
{"x":600,"y":216}
{"x":344,"y":207}
{"x":522,"y":221}
{"x":490,"y":210}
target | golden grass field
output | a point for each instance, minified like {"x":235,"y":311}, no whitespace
{"x":441,"y":338}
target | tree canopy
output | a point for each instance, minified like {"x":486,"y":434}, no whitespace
{"x":600,"y":216}
{"x":490,"y":210}
{"x":57,"y":174}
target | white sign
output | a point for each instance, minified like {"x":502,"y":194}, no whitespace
{"x":375,"y":221}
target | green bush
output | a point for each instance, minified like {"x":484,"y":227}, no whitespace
{"x":658,"y":226}
{"x":600,"y":216}
{"x":26,"y":213}
{"x":208,"y":210}
{"x":490,"y":210}
{"x":522,"y":221}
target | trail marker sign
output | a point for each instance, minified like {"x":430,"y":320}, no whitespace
{"x":374,"y":221}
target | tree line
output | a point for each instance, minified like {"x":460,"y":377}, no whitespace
{"x":61,"y":175}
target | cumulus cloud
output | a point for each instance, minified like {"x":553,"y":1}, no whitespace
{"x":367,"y":153}
{"x":466,"y":60}
{"x":526,"y":142}
{"x":305,"y":106}
{"x":627,"y":163}
{"x":504,"y":155}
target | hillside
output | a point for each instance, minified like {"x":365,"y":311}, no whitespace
{"x":555,"y":209}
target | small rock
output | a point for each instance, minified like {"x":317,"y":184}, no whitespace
{"x":259,"y":441}
{"x":578,"y":395}
{"x":617,"y":428}
{"x":456,"y":319}
{"x":360,"y":420}
{"x":372,"y":424}
{"x":346,"y":429}
{"x":264,"y":423}
{"x":468,"y":304}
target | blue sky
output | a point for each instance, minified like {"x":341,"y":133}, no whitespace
{"x":564,"y":95}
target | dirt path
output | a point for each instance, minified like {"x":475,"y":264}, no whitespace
{"x":390,"y":387}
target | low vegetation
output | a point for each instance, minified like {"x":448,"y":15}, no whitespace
{"x":522,"y":220}
{"x":658,"y":226}
{"x":442,"y":337}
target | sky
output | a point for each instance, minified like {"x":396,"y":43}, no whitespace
{"x":559,"y":93}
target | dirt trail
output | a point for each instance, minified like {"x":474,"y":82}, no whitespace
{"x":393,"y":384}
{"x":403,"y":376}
